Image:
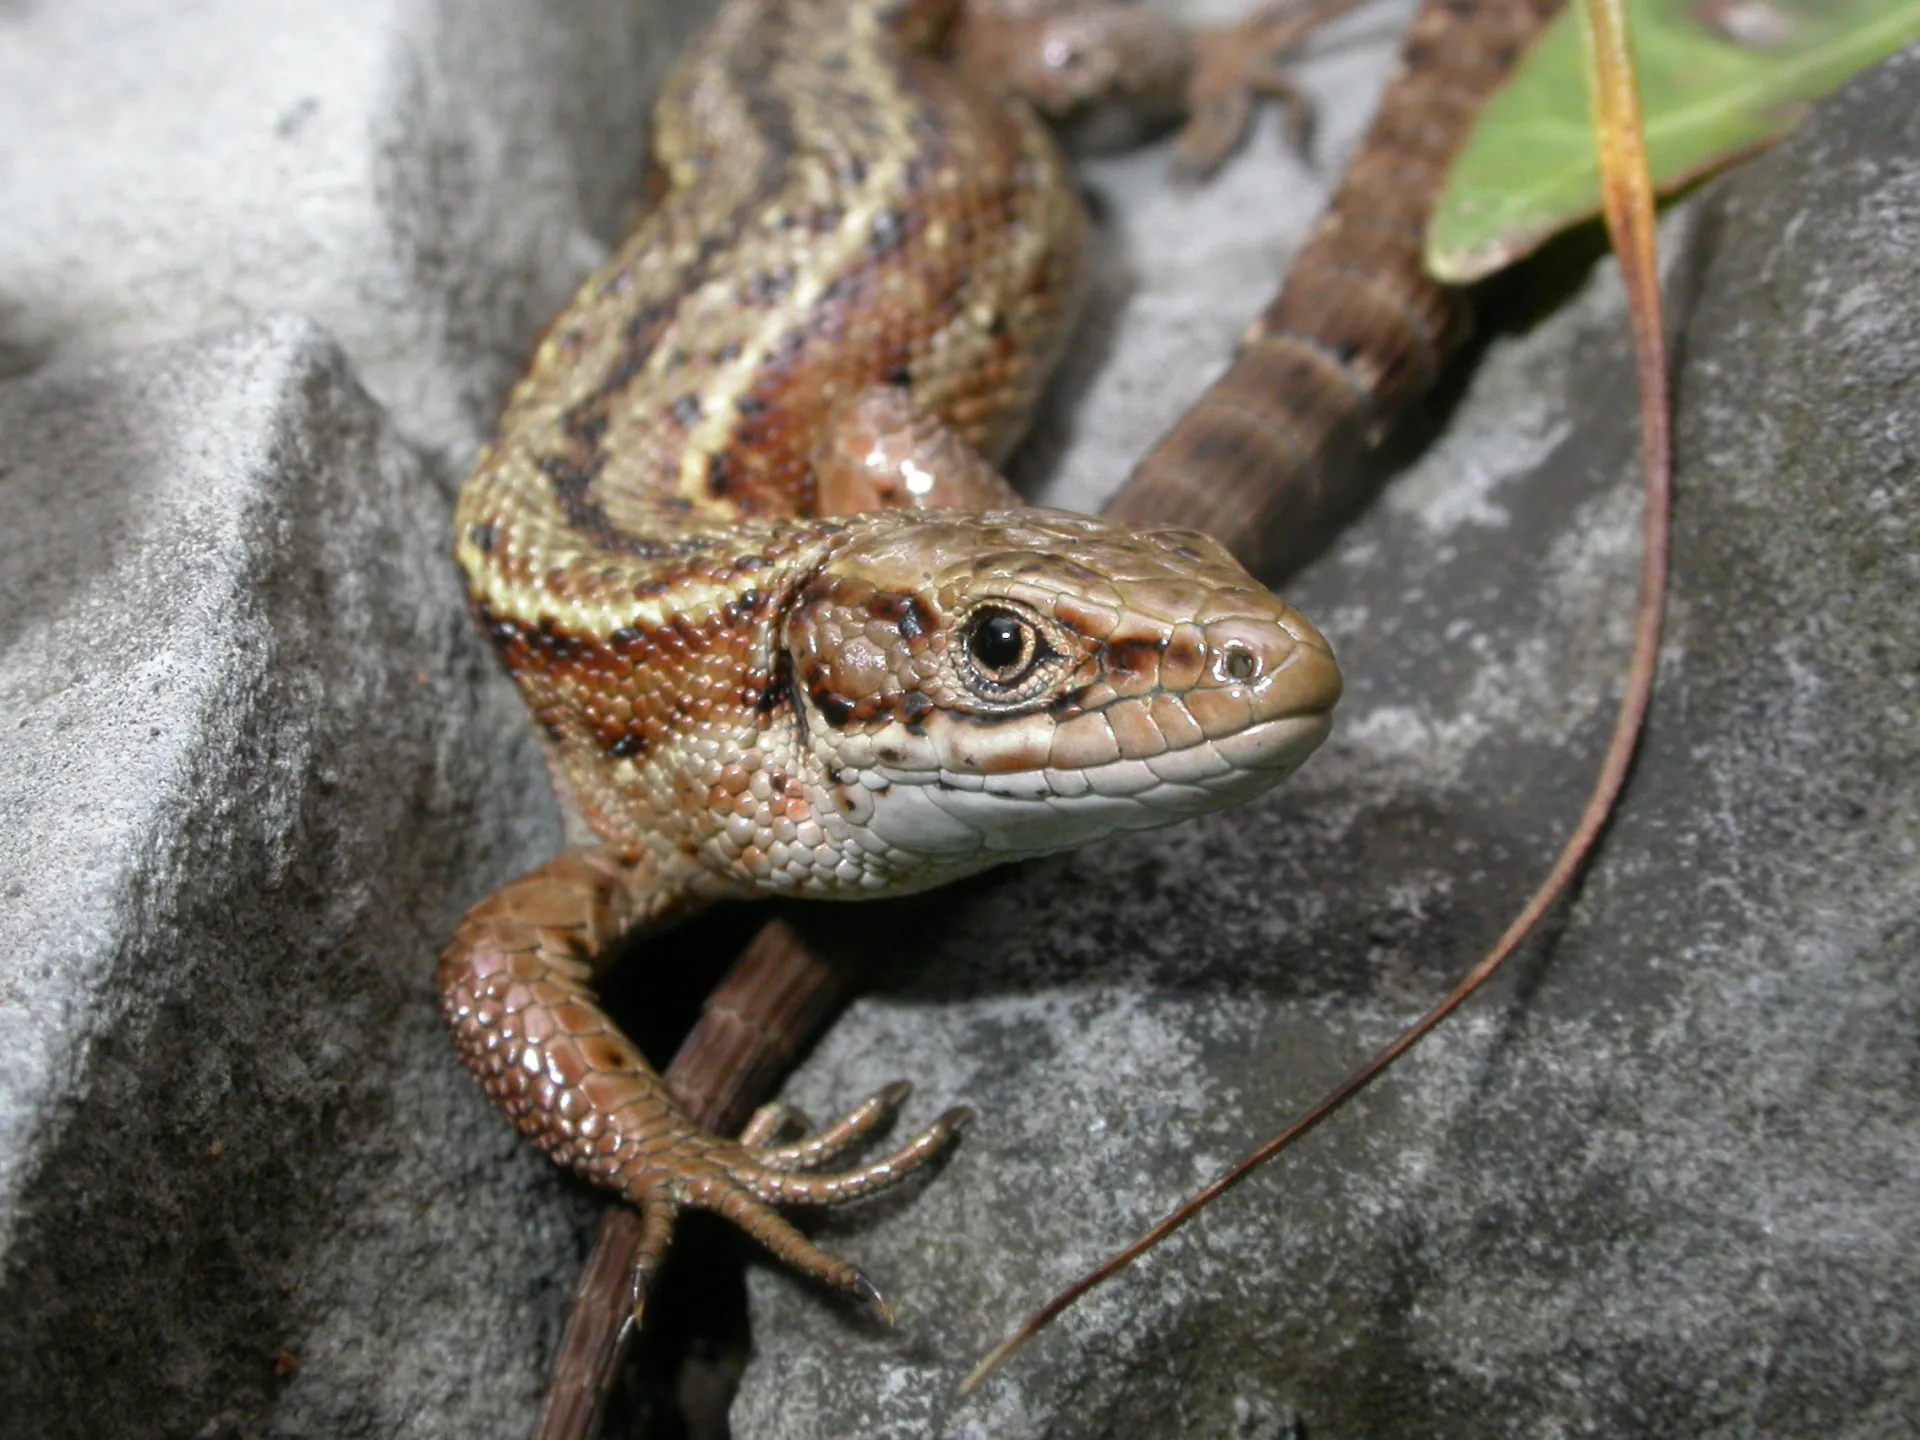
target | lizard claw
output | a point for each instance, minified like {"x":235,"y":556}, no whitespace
{"x":815,"y":1148}
{"x":1220,"y":106}
{"x":742,"y":1184}
{"x":869,"y":1294}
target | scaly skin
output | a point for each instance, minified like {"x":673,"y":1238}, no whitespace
{"x":856,"y":274}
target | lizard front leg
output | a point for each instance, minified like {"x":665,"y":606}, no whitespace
{"x":516,"y":986}
{"x":516,"y":978}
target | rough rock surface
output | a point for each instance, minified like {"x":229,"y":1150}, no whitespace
{"x":250,"y":780}
{"x":257,"y":760}
{"x":424,"y":178}
{"x":1663,"y":1182}
{"x":258,"y":763}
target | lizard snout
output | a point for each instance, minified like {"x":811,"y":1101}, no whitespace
{"x":1257,"y":669}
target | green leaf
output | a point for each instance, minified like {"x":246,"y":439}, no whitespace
{"x":1719,"y":79}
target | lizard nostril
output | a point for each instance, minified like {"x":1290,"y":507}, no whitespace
{"x":1245,"y":651}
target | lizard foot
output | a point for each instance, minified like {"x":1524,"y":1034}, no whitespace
{"x":743,"y":1180}
{"x":516,"y":986}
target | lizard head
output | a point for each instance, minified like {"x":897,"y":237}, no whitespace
{"x":983,"y":687}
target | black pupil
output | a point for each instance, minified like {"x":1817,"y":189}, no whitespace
{"x":998,"y":642}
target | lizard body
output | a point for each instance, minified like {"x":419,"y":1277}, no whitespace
{"x":855,"y":274}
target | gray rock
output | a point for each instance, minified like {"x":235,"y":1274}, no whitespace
{"x":258,"y":761}
{"x":1662,"y":1182}
{"x":256,"y":765}
{"x":425,"y":178}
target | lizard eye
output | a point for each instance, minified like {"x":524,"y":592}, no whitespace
{"x":1002,"y":646}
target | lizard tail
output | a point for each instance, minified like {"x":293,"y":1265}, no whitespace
{"x":1357,"y":334}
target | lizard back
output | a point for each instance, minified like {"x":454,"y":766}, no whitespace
{"x":832,"y":208}
{"x":751,"y":695}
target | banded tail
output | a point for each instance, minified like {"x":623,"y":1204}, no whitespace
{"x":1357,"y":333}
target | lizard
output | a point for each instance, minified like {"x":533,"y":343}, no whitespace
{"x":856,"y":269}
{"x":1357,"y":333}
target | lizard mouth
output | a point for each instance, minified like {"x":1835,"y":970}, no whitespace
{"x":1210,"y":773}
{"x":1015,"y":814}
